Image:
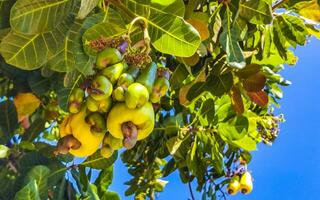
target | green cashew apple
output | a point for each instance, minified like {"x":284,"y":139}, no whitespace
{"x":113,"y":72}
{"x":246,"y":184}
{"x":119,"y":94}
{"x":106,"y":151}
{"x":75,"y":100}
{"x":160,"y":88}
{"x":107,"y":57}
{"x":97,"y":122}
{"x":128,"y":78}
{"x":113,"y":142}
{"x":136,"y":96}
{"x":234,"y":185}
{"x":102,"y":106}
{"x":148,"y":76}
{"x":92,"y":105}
{"x":142,"y":118}
{"x":101,"y":88}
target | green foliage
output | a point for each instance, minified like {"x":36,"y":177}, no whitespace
{"x":224,"y":59}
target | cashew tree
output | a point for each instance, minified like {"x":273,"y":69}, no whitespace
{"x":167,"y":86}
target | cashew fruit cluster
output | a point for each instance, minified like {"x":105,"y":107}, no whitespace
{"x":241,"y":183}
{"x":113,"y":109}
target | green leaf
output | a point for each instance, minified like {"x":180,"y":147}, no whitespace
{"x":64,"y":60}
{"x":8,"y":117}
{"x":228,"y":40}
{"x":39,"y":47}
{"x":256,"y":12}
{"x":40,"y":174}
{"x":34,"y":130}
{"x":86,"y":7}
{"x":5,"y":6}
{"x":207,"y":111}
{"x":96,"y":161}
{"x":28,"y":192}
{"x":235,"y":129}
{"x":35,"y":17}
{"x":4,"y":150}
{"x":168,"y":31}
{"x":104,"y":179}
{"x":110,"y":196}
{"x":219,"y":85}
{"x":92,"y":192}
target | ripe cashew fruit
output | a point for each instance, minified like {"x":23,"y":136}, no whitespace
{"x":76,"y":126}
{"x":107,"y":57}
{"x":130,"y":133}
{"x":246,"y":184}
{"x":148,"y":76}
{"x":113,"y":72}
{"x":142,"y":118}
{"x":136,"y":96}
{"x":66,"y":143}
{"x":75,"y":100}
{"x":234,"y":185}
{"x":101,"y":88}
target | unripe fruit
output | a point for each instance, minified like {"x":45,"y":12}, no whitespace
{"x":105,"y":105}
{"x":113,"y":142}
{"x":101,"y":88}
{"x":75,"y":100}
{"x":107,"y":57}
{"x":246,"y":184}
{"x":119,"y":94}
{"x":234,"y":185}
{"x":92,"y":105}
{"x":125,"y":80}
{"x":113,"y":72}
{"x":148,"y":76}
{"x":106,"y":151}
{"x":97,"y":122}
{"x":136,"y":96}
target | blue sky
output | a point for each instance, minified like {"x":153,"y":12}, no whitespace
{"x":290,"y":168}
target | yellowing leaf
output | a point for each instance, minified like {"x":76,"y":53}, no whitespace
{"x":311,"y":11}
{"x":26,"y":104}
{"x":201,"y":27}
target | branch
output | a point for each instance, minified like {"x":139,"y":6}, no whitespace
{"x":190,"y":190}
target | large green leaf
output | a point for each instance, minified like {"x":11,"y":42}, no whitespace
{"x":256,"y":12}
{"x":96,"y":161}
{"x":8,"y":117}
{"x":104,"y":179}
{"x":86,"y":7}
{"x":30,"y":52}
{"x":64,"y":60}
{"x":40,"y":174}
{"x":108,"y":195}
{"x":28,"y":192}
{"x":234,"y":129}
{"x":34,"y":16}
{"x":5,"y":6}
{"x":169,"y":33}
{"x":229,"y":41}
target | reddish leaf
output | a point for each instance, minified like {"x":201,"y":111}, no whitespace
{"x":249,"y":70}
{"x":260,"y":98}
{"x":255,"y":83}
{"x":237,"y":101}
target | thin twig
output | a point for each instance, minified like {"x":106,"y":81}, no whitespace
{"x":190,"y":190}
